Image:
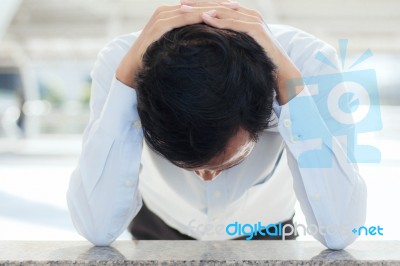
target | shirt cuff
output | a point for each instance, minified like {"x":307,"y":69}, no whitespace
{"x":301,"y":124}
{"x":120,"y":109}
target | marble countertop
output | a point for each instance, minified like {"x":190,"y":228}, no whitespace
{"x":197,"y":253}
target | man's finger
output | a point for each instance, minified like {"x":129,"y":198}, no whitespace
{"x":169,"y":13}
{"x":245,"y":10}
{"x":164,"y":8}
{"x":249,"y":27}
{"x":222,"y":12}
{"x":160,"y":10}
{"x":164,"y":25}
{"x":200,"y":2}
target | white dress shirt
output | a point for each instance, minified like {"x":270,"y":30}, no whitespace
{"x":117,"y":169}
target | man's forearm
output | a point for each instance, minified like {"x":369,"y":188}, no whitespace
{"x":287,"y":72}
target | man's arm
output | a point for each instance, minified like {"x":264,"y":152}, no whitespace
{"x":103,"y":194}
{"x":330,"y":190}
{"x":331,"y":197}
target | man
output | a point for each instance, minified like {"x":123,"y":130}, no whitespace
{"x":211,"y":154}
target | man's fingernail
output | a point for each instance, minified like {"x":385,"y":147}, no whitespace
{"x":186,"y":8}
{"x":211,"y":13}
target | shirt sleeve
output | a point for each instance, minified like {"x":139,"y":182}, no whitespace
{"x":103,"y":194}
{"x":333,"y":195}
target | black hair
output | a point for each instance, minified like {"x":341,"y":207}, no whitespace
{"x":199,"y":85}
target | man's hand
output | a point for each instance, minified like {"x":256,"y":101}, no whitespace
{"x":164,"y":19}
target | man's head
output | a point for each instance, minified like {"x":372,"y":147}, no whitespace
{"x":204,"y":96}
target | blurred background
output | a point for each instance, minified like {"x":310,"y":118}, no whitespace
{"x":48,"y":47}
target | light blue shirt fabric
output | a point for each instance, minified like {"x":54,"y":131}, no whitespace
{"x":117,"y":170}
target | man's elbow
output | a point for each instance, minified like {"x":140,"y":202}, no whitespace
{"x":94,"y":230}
{"x":95,"y":236}
{"x":99,"y":240}
{"x":338,"y":242}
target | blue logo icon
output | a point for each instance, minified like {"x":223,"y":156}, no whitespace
{"x":348,"y":104}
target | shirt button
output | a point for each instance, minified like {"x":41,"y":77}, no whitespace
{"x":137,"y":124}
{"x":128,"y":183}
{"x":217,"y":194}
{"x":287,"y":123}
